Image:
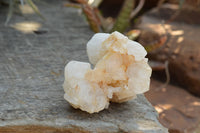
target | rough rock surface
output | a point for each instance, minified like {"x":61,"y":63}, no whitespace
{"x":31,"y":67}
{"x":182,"y":49}
{"x":178,"y":110}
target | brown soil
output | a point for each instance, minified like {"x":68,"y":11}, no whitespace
{"x":178,"y":110}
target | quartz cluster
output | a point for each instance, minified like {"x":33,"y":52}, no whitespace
{"x":120,"y":72}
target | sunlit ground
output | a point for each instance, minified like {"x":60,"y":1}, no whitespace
{"x":26,"y":27}
{"x":177,"y":108}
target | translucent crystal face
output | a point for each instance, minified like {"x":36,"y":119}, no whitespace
{"x":121,"y":71}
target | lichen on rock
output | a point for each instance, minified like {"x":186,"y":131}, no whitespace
{"x":120,"y":72}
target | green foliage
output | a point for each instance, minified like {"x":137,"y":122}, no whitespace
{"x":123,"y":19}
{"x":181,"y":3}
{"x":34,"y":7}
{"x":97,"y":22}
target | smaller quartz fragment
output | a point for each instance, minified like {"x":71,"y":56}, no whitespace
{"x":121,"y":72}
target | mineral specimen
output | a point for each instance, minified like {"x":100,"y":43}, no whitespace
{"x":120,"y":72}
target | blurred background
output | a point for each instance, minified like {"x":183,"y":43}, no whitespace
{"x":168,"y":29}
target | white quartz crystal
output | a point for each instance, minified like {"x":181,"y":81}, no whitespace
{"x":121,"y":72}
{"x":94,"y":47}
